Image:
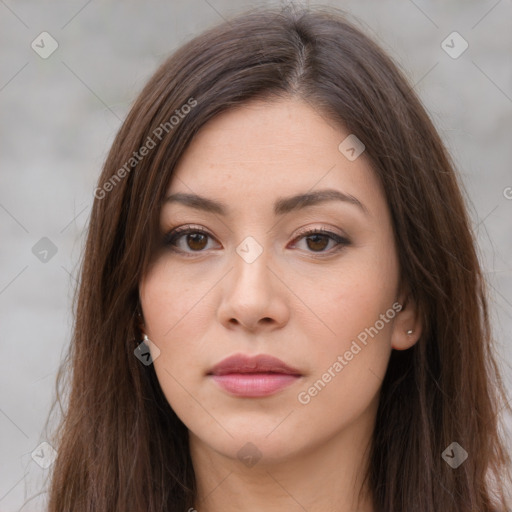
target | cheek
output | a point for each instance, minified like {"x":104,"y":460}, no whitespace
{"x":355,"y":303}
{"x":350,"y":362}
{"x":172,"y":301}
{"x":173,"y":324}
{"x":353,"y":293}
{"x":174,"y":313}
{"x":177,"y":310}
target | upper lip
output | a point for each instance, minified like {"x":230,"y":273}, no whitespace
{"x":263,"y":363}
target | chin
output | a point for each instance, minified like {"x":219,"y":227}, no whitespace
{"x":252,"y":443}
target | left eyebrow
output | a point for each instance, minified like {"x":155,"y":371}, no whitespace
{"x":281,"y":207}
{"x":288,"y":204}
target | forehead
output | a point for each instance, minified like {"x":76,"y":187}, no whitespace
{"x":260,"y":151}
{"x":264,"y":133}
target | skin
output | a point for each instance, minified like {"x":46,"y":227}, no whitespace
{"x":300,"y":300}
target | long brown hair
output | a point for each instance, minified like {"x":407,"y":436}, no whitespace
{"x":120,"y":445}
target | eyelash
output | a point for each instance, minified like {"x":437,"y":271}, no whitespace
{"x":171,"y":237}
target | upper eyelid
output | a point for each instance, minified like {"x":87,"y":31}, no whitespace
{"x":303,"y":231}
{"x":340,"y":240}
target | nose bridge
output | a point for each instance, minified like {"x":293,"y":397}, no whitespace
{"x":251,"y":295}
{"x":251,"y":272}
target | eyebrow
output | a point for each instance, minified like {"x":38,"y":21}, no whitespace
{"x":281,"y":207}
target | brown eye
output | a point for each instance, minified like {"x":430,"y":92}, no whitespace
{"x":196,"y":241}
{"x":317,"y":242}
{"x":187,"y":239}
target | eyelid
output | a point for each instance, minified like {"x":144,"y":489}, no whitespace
{"x":186,"y":228}
{"x":327,"y":230}
{"x":302,"y":231}
{"x":341,"y":240}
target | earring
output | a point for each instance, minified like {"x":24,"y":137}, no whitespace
{"x":409,"y":332}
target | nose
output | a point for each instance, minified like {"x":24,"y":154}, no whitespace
{"x":253,"y":296}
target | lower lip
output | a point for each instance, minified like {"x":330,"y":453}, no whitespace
{"x":254,"y":384}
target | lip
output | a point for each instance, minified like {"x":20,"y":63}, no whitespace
{"x":252,"y":377}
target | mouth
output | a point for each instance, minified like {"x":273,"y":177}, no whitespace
{"x":253,"y":377}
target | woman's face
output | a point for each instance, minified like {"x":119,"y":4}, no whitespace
{"x":248,"y":280}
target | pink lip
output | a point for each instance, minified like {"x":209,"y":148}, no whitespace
{"x":256,"y":376}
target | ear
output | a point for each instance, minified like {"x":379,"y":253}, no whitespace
{"x":407,"y":320}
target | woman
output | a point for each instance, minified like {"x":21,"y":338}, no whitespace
{"x":280,"y":306}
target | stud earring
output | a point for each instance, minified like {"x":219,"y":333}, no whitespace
{"x":409,"y":332}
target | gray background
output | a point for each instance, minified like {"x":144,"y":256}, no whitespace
{"x":59,"y":116}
